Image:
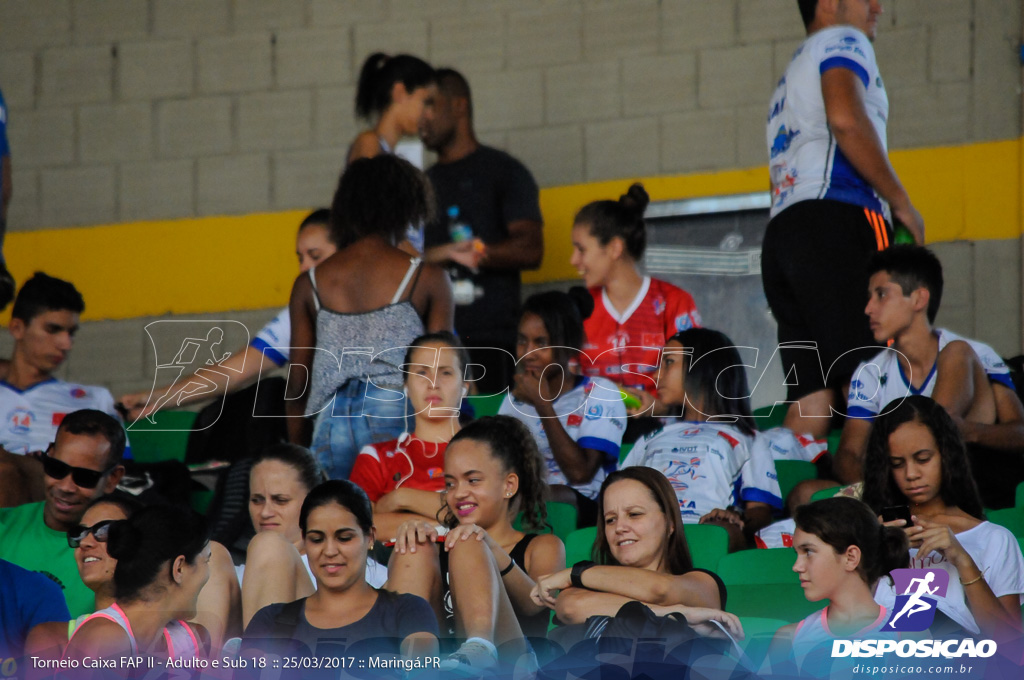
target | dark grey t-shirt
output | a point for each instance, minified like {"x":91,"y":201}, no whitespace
{"x":491,"y":189}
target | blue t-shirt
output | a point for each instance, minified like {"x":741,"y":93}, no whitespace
{"x":5,"y":149}
{"x":27,"y":599}
{"x":378,"y":635}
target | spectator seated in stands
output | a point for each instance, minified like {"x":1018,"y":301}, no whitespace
{"x":718,"y":476}
{"x":641,"y":555}
{"x":163,"y":560}
{"x":965,"y":376}
{"x":276,"y":565}
{"x":916,"y":458}
{"x":577,"y":420}
{"x":336,"y":521}
{"x":839,"y":558}
{"x":479,"y":579}
{"x":404,"y":477}
{"x":44,"y":321}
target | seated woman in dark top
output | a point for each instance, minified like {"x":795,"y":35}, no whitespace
{"x":346,"y":616}
{"x":642,"y":555}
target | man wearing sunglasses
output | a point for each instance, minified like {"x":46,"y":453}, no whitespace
{"x":82,"y":464}
{"x":44,"y":321}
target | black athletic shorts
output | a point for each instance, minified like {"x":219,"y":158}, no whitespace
{"x":814,"y":269}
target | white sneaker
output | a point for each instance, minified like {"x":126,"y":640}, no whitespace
{"x":470,"y":655}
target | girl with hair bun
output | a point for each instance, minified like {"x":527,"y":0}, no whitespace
{"x":634,"y":314}
{"x":163,"y":561}
{"x":916,"y":458}
{"x":842,"y":552}
{"x":479,"y":579}
{"x":577,"y":421}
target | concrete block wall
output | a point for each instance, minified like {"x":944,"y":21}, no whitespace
{"x":126,"y":110}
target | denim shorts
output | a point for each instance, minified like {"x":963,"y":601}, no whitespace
{"x":361,"y":413}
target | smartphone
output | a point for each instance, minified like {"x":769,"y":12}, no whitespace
{"x":894,"y":512}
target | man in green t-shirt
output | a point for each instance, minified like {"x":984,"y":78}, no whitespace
{"x":83,"y":463}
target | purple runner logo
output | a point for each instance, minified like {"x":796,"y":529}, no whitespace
{"x":917,"y":593}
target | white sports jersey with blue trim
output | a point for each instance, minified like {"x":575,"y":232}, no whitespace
{"x":31,"y":416}
{"x":592,"y":413}
{"x":275,"y":339}
{"x":806,"y":163}
{"x":877,"y":382}
{"x":710,"y":465}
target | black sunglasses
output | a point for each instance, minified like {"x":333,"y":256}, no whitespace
{"x":83,"y":477}
{"x":100,"y":530}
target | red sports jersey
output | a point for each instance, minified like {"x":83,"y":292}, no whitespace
{"x":626,"y":348}
{"x":407,"y":461}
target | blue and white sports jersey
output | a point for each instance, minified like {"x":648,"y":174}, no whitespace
{"x":275,"y":339}
{"x":877,"y":382}
{"x":806,"y":163}
{"x":31,"y":417}
{"x":592,"y":413}
{"x":710,"y":465}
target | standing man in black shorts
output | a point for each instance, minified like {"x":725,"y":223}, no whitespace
{"x":834,"y":198}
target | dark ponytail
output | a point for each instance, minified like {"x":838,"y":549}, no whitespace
{"x":380,"y":73}
{"x":623,"y":218}
{"x":843,"y":521}
{"x":513,"y":446}
{"x":144,"y":543}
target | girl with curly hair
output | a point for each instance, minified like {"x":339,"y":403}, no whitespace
{"x":480,"y":577}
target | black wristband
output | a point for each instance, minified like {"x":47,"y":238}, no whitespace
{"x":576,"y":578}
{"x":504,"y":572}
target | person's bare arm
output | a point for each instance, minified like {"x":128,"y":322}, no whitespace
{"x":1008,"y":432}
{"x":851,"y":125}
{"x":243,"y":367}
{"x":523,"y":249}
{"x":853,"y":444}
{"x":576,"y":605}
{"x":303,"y":322}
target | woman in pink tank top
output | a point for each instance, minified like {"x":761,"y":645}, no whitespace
{"x":163,"y":561}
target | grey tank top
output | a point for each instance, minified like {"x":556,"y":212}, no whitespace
{"x":369,"y":345}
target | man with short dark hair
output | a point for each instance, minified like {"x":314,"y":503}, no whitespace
{"x":834,"y":197}
{"x":496,"y":197}
{"x":968,"y":378}
{"x":44,"y":321}
{"x":83,"y":463}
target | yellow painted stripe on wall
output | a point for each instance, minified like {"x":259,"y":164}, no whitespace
{"x":188,"y":266}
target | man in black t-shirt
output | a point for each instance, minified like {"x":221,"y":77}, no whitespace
{"x":497,"y":198}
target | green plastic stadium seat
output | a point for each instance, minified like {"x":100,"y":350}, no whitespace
{"x":1019,"y":501}
{"x":771,"y":600}
{"x":1011,"y":518}
{"x":825,"y":493}
{"x":578,"y":545}
{"x":752,"y":567}
{"x":167,"y":439}
{"x":708,"y":545}
{"x":561,"y":518}
{"x":792,"y":472}
{"x":768,"y":417}
{"x":486,"y":404}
